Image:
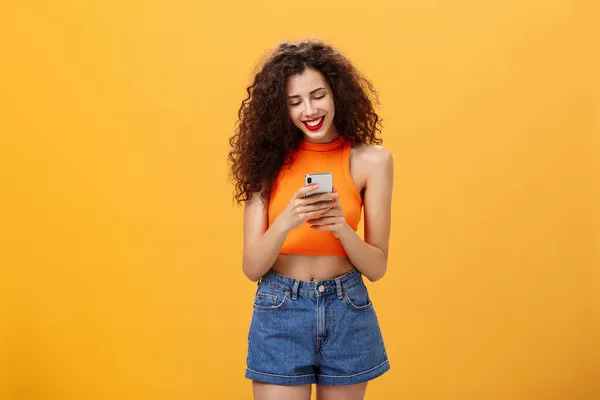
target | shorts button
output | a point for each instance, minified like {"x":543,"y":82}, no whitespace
{"x":321,"y":288}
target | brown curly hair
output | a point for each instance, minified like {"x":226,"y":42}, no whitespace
{"x":266,"y":137}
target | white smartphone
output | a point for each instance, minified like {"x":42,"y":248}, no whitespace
{"x":324,"y":179}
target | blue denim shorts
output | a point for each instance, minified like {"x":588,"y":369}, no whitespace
{"x":324,"y":332}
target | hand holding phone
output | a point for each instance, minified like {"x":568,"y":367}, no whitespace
{"x":323,"y":179}
{"x":310,"y":201}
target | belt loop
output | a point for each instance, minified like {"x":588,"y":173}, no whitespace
{"x":295,"y":289}
{"x":338,"y":286}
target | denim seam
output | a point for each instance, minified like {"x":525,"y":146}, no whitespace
{"x":272,"y":308}
{"x":266,"y":296}
{"x":354,"y":306}
{"x":318,"y":347}
{"x":350,"y":376}
{"x":281,"y":376}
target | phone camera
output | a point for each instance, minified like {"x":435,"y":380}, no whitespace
{"x":309,"y":180}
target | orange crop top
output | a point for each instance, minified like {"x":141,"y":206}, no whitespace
{"x":312,"y":157}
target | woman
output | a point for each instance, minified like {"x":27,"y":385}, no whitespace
{"x":308,"y":111}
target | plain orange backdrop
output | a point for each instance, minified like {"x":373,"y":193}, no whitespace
{"x":121,"y":248}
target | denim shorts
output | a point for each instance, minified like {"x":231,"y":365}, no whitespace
{"x":324,"y":332}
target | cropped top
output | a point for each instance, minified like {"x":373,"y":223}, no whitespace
{"x":312,"y":157}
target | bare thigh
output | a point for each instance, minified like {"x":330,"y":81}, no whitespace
{"x":349,"y":392}
{"x":267,"y":391}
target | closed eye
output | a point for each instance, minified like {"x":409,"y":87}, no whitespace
{"x":316,"y":98}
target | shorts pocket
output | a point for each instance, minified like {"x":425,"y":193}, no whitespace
{"x":269,"y":298}
{"x":357,"y":298}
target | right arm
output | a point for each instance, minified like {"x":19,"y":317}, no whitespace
{"x":261,"y":244}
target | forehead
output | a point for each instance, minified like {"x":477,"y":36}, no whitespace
{"x":308,"y":80}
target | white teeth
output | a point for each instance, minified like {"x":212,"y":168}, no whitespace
{"x":315,"y":123}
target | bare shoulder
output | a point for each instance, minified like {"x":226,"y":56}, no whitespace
{"x":373,"y":157}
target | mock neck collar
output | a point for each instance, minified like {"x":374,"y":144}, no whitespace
{"x":334,"y":144}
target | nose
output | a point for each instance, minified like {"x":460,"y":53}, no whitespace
{"x":309,"y":110}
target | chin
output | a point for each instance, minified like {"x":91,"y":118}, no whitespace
{"x":316,"y":135}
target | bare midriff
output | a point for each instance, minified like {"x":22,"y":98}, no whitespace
{"x":311,"y":268}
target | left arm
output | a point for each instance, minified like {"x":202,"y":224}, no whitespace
{"x":369,"y":256}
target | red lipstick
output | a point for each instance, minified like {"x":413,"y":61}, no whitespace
{"x":316,"y":127}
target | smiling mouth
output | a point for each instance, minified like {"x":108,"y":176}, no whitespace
{"x":315,"y":124}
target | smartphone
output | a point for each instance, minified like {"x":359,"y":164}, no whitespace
{"x":324,"y":179}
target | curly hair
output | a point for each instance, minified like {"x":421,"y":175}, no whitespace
{"x":266,"y":137}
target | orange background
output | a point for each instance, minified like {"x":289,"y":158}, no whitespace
{"x":121,"y":248}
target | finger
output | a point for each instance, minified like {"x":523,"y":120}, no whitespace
{"x":322,"y":221}
{"x":300,"y":193}
{"x":315,"y":198}
{"x":315,"y":221}
{"x":336,"y":204}
{"x":315,"y":207}
{"x":311,"y":214}
{"x":330,"y":227}
{"x":327,"y":221}
{"x":329,"y":213}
